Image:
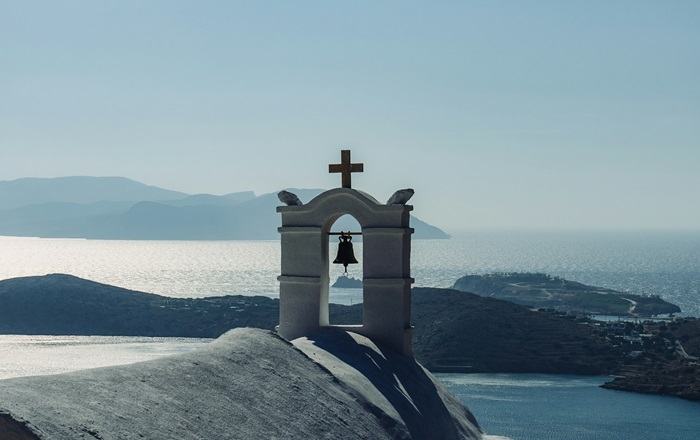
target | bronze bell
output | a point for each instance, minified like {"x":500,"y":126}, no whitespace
{"x":345,"y":253}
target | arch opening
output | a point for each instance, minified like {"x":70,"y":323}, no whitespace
{"x":345,"y":291}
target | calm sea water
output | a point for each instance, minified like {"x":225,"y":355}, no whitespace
{"x":556,"y":407}
{"x":667,"y":264}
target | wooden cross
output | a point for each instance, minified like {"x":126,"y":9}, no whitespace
{"x":346,"y":168}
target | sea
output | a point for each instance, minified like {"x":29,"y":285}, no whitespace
{"x":516,"y":406}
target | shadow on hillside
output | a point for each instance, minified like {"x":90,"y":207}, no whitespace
{"x":400,"y":379}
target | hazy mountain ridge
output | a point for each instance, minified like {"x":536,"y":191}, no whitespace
{"x":209,"y":199}
{"x":78,"y":189}
{"x":93,"y":207}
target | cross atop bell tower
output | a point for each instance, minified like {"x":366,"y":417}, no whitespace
{"x":346,"y":168}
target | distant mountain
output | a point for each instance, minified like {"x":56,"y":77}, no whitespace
{"x":95,"y":207}
{"x":79,"y":189}
{"x":209,"y":199}
{"x":59,"y":219}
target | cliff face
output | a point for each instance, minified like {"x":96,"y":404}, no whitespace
{"x":248,"y":384}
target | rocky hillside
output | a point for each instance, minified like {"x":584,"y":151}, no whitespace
{"x":688,"y":334}
{"x":66,"y":305}
{"x":459,"y":331}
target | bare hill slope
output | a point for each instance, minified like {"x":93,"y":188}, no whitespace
{"x":248,"y":384}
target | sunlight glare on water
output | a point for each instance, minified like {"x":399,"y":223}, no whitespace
{"x":664,"y":263}
{"x":29,"y":355}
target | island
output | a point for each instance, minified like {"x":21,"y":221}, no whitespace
{"x":454,"y":331}
{"x":545,"y":291}
{"x":347,"y":282}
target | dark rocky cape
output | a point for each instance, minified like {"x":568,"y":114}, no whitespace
{"x":545,"y":291}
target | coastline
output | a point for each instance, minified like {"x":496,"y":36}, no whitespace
{"x":454,"y":331}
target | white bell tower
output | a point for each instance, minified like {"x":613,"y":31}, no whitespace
{"x":386,"y":258}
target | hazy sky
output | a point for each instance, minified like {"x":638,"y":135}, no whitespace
{"x":500,"y":114}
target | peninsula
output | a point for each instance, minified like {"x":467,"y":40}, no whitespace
{"x":540,"y":290}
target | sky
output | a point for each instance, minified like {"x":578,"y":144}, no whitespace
{"x":500,"y":114}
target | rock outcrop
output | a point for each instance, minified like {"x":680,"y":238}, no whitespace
{"x":248,"y":384}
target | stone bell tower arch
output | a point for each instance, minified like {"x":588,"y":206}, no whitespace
{"x":304,"y":280}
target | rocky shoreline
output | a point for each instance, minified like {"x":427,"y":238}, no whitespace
{"x":678,"y":379}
